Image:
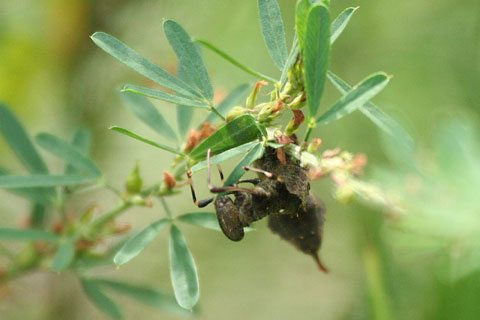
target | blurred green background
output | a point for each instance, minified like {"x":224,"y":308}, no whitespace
{"x":56,"y":79}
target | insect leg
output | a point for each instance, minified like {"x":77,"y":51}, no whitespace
{"x":221,"y":189}
{"x":254,"y":181}
{"x":265,"y":173}
{"x":199,"y":203}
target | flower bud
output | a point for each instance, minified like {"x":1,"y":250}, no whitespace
{"x":235,"y":112}
{"x":134,"y":181}
{"x":345,"y":194}
{"x":169,"y":180}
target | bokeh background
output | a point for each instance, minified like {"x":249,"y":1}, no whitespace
{"x":55,"y":79}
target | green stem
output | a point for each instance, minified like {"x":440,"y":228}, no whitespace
{"x":165,"y":206}
{"x":214,"y":110}
{"x":110,"y":215}
{"x":307,"y":135}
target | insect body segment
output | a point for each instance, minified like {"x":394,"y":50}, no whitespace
{"x":280,"y":192}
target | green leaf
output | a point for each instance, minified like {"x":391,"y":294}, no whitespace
{"x":19,"y":141}
{"x":183,"y":270}
{"x":148,"y":114}
{"x":64,"y":256}
{"x":101,"y":301}
{"x":292,"y":57}
{"x":126,"y":55}
{"x":160,"y":95}
{"x":239,"y":131}
{"x":81,"y":141}
{"x":184,"y":113}
{"x":273,"y":31}
{"x":232,"y":100}
{"x":70,"y":154}
{"x":146,"y":295}
{"x":355,"y":98}
{"x":189,"y":57}
{"x":316,"y":54}
{"x":139,"y":242}
{"x":35,"y":195}
{"x":147,"y":141}
{"x":43,"y":180}
{"x":301,"y":14}
{"x":27,"y":235}
{"x":382,"y":120}
{"x":339,"y":24}
{"x":207,"y":220}
{"x":235,"y":62}
{"x":224,"y":156}
{"x":238,"y":172}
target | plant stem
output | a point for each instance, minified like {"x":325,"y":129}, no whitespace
{"x":165,"y":206}
{"x":110,"y":215}
{"x":214,"y":110}
{"x":307,"y":135}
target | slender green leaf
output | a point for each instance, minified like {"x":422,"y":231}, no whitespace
{"x":316,"y":51}
{"x":229,"y":102}
{"x":184,"y":113}
{"x":100,"y":300}
{"x":69,"y":153}
{"x":128,"y":56}
{"x":301,"y":14}
{"x":273,"y":31}
{"x":148,"y":114}
{"x":355,"y":98}
{"x":224,"y":156}
{"x":64,"y":256}
{"x":381,"y":119}
{"x":183,"y":270}
{"x":35,"y":195}
{"x":149,"y":296}
{"x":239,"y":131}
{"x":27,"y":235}
{"x":150,"y":142}
{"x":81,"y":141}
{"x":160,"y":95}
{"x":139,"y":242}
{"x":43,"y":180}
{"x":238,"y":172}
{"x":189,"y":57}
{"x":339,"y":24}
{"x":235,"y":62}
{"x":19,"y":141}
{"x":207,"y":220}
{"x":292,"y":58}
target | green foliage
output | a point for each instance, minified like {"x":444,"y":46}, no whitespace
{"x":64,"y":256}
{"x":139,"y":242}
{"x":189,"y":57}
{"x":316,"y":53}
{"x":27,"y":235}
{"x":241,"y":130}
{"x":355,"y":98}
{"x":145,"y":140}
{"x":148,"y":114}
{"x":138,"y":63}
{"x":273,"y":31}
{"x":183,"y":270}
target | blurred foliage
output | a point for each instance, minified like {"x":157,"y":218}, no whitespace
{"x":56,"y":77}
